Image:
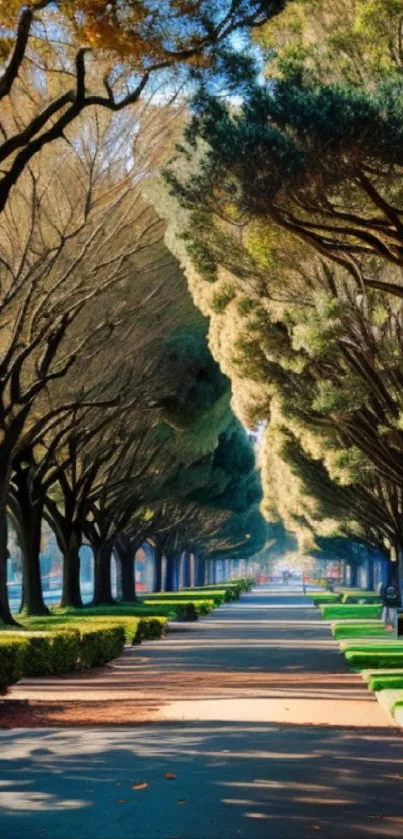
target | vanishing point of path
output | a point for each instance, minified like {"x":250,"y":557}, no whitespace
{"x":256,"y":729}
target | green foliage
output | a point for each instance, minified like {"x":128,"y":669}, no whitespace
{"x":367,"y":658}
{"x":218,"y":597}
{"x":360,"y":597}
{"x":357,"y":612}
{"x":356,"y":630}
{"x":386,"y":681}
{"x":325,"y":597}
{"x":100,"y":645}
{"x":202,"y":259}
{"x":13,"y":650}
{"x":185,"y":610}
{"x":137,"y":625}
{"x":50,"y":652}
{"x":222,"y":298}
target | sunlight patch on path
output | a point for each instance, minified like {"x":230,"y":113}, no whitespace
{"x":362,"y":713}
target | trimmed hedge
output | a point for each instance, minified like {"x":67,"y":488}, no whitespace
{"x":61,"y":642}
{"x":374,"y":655}
{"x":12,"y":659}
{"x":366,"y":660}
{"x":136,"y":610}
{"x":357,"y":630}
{"x":218,"y":596}
{"x":48,"y":653}
{"x":386,"y":681}
{"x":360,"y":597}
{"x":374,"y":646}
{"x":187,"y":610}
{"x":235,"y":587}
{"x":325,"y":597}
{"x":63,"y":648}
{"x":136,"y":629}
{"x":342,"y":611}
{"x":98,"y":646}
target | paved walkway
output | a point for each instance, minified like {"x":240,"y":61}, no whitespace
{"x":263,"y":732}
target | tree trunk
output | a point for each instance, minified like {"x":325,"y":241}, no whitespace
{"x":30,"y":527}
{"x":370,"y":574}
{"x":157,"y":586}
{"x":186,"y":570}
{"x":5,"y":613}
{"x":171,"y":574}
{"x":71,"y":593}
{"x":102,"y":574}
{"x":200,"y":575}
{"x":354,"y":574}
{"x":126,"y":583}
{"x":399,"y":570}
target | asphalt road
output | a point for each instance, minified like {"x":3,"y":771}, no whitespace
{"x":233,"y":754}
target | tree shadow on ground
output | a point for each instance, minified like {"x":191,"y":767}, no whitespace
{"x":282,"y":782}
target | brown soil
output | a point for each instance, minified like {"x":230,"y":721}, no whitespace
{"x":33,"y":714}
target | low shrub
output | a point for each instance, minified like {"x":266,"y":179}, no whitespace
{"x":187,"y":610}
{"x":219,"y":596}
{"x":49,"y":652}
{"x":12,"y":658}
{"x":386,"y":681}
{"x":325,"y":597}
{"x":98,"y":646}
{"x":150,"y":629}
{"x":360,"y":597}
{"x":342,"y":611}
{"x":357,"y":630}
{"x":369,"y":659}
{"x":374,"y":645}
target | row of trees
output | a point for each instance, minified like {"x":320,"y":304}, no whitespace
{"x":289,"y":210}
{"x":115,"y":423}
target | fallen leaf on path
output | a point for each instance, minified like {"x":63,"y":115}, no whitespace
{"x":170,"y":776}
{"x":143,"y":785}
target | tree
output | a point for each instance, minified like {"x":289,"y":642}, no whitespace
{"x":257,"y":184}
{"x":48,"y":45}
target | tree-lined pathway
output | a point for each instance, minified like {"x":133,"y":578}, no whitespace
{"x":257,"y":729}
